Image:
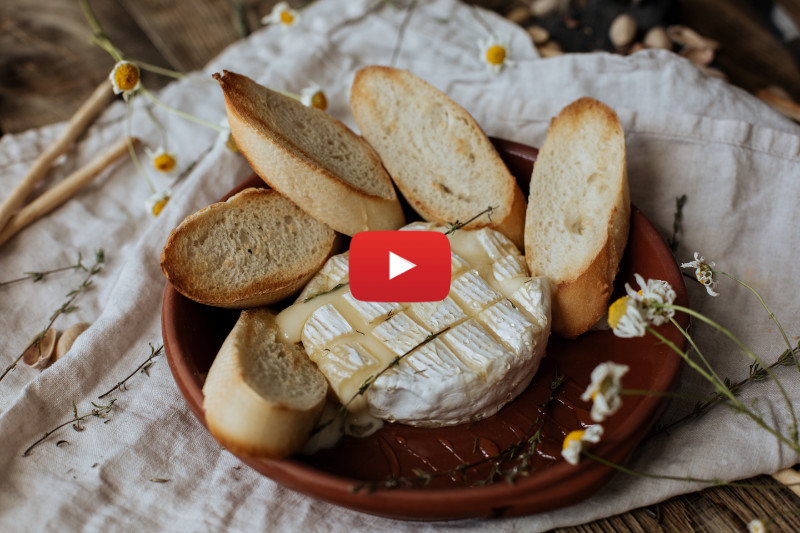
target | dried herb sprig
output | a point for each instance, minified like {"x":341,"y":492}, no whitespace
{"x":67,"y":307}
{"x":98,"y":411}
{"x":332,"y":289}
{"x":144,"y":368}
{"x":677,"y":222}
{"x":509,"y":464}
{"x":40,"y":275}
{"x":367,"y":383}
{"x":757,"y":373}
{"x":454,"y":226}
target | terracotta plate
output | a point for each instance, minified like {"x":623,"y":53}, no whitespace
{"x":354,"y":474}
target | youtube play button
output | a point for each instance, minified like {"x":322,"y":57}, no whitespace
{"x":399,"y":266}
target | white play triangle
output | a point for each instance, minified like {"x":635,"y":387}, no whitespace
{"x":398,"y":265}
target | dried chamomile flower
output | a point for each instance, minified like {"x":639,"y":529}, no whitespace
{"x":163,"y":161}
{"x":756,"y":526}
{"x":283,"y":15}
{"x":604,"y":390}
{"x":575,"y":442}
{"x":495,"y":52}
{"x":704,"y":272}
{"x":156,"y":203}
{"x":653,"y":295}
{"x":125,"y":78}
{"x":626,"y":316}
{"x":313,"y":96}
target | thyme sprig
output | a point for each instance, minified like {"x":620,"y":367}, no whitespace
{"x":66,"y":307}
{"x":144,"y":368}
{"x":40,"y":275}
{"x":454,"y":226}
{"x":332,"y":289}
{"x":509,"y":464}
{"x":677,"y":222}
{"x":367,"y":383}
{"x":98,"y":411}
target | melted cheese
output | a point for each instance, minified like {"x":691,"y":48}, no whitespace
{"x":428,"y":363}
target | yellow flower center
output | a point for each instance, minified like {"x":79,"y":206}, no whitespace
{"x":126,"y":76}
{"x":159,"y":206}
{"x":616,"y":311}
{"x":319,"y":101}
{"x":573,"y":436}
{"x":230,"y":144}
{"x":594,"y":394}
{"x":286,"y":17}
{"x":164,"y":162}
{"x":496,"y":54}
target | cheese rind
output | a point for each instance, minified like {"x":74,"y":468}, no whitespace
{"x":430,"y":363}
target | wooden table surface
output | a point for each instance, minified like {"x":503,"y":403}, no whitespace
{"x":48,"y":67}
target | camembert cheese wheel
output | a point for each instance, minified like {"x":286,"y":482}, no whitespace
{"x":428,"y":363}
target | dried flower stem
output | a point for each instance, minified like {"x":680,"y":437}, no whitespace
{"x":736,"y":404}
{"x":99,"y":411}
{"x":757,"y":373}
{"x":66,"y":307}
{"x":756,"y":359}
{"x":144,"y":368}
{"x":180,"y":113}
{"x":715,"y":482}
{"x":766,"y":308}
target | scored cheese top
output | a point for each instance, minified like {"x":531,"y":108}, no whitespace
{"x":428,"y":363}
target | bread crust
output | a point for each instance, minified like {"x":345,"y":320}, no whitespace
{"x":582,"y":295}
{"x":186,"y":277}
{"x":508,"y":217}
{"x":238,"y":417}
{"x":286,"y":167}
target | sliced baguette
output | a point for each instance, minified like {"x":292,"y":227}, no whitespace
{"x":262,"y":397}
{"x":578,"y":215}
{"x":255,"y":249}
{"x":439,"y":158}
{"x":312,"y":158}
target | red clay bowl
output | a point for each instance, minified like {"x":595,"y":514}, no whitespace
{"x":193,"y":334}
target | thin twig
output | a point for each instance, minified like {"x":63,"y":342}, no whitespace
{"x":154,"y":352}
{"x":401,"y":32}
{"x":99,"y":411}
{"x":66,"y":307}
{"x":454,"y":226}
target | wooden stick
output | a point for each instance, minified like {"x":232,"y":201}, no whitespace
{"x":99,"y":99}
{"x":789,"y":477}
{"x":787,"y":107}
{"x":63,"y":190}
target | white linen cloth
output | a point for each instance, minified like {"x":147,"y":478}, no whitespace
{"x":736,"y":160}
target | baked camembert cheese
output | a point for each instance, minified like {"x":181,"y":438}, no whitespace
{"x":428,"y":363}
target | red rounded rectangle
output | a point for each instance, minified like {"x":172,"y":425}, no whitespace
{"x":399,"y":266}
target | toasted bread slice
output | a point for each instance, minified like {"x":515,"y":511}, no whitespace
{"x":578,"y":214}
{"x":255,"y":249}
{"x":312,"y":158}
{"x":262,"y":397}
{"x":439,"y":158}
